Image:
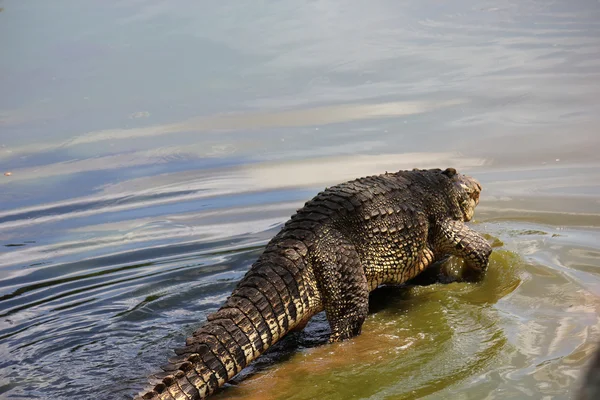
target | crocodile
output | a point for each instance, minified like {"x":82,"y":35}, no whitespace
{"x":342,"y":244}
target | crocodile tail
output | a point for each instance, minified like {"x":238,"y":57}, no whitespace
{"x":269,"y":301}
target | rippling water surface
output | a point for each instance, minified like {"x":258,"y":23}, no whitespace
{"x":151,"y":149}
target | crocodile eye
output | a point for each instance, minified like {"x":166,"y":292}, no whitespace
{"x":450,"y":172}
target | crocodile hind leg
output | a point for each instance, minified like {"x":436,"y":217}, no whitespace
{"x":420,"y":272}
{"x":343,"y":286}
{"x":425,"y":259}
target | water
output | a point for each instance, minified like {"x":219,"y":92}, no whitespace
{"x":151,"y":149}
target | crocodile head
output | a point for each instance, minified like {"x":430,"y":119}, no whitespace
{"x":467,"y":192}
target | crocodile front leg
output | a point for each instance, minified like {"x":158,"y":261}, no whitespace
{"x":454,"y":237}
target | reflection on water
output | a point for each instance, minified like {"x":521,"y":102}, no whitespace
{"x":315,"y":116}
{"x":155,"y":149}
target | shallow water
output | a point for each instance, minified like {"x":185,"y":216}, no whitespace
{"x":151,"y":149}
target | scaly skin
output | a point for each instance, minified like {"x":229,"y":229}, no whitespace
{"x":342,"y":244}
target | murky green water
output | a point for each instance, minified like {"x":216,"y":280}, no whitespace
{"x":150,"y":149}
